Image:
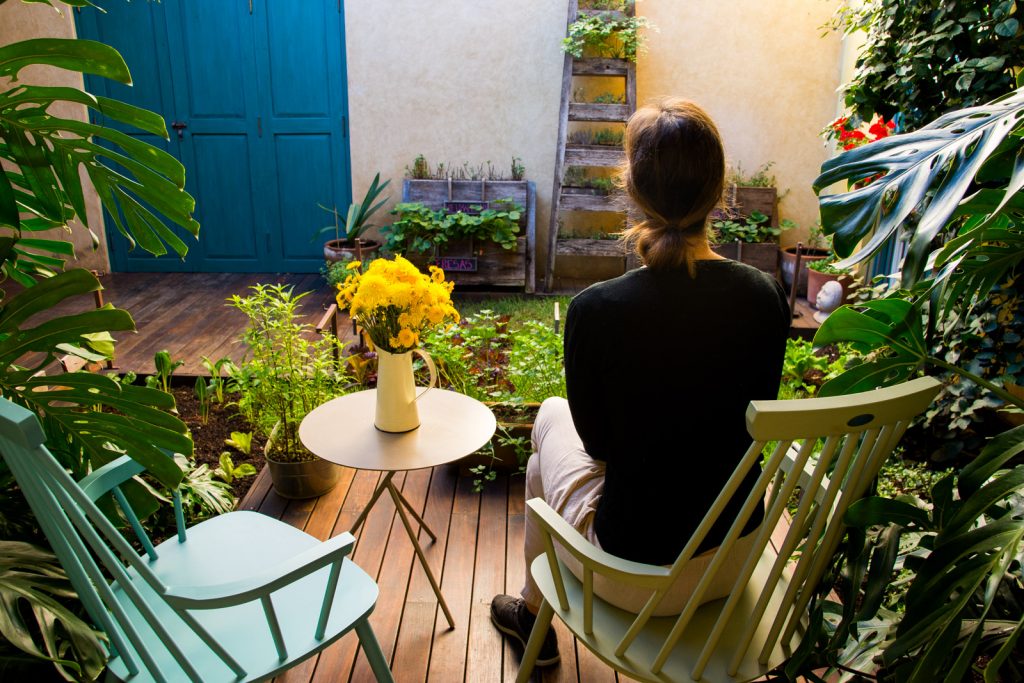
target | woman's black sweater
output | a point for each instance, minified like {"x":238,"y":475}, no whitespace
{"x":659,"y":370}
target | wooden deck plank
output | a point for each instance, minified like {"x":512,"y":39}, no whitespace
{"x":483,"y":660}
{"x":393,"y":581}
{"x":416,"y":633}
{"x":335,"y":663}
{"x":257,"y":492}
{"x":448,"y":655}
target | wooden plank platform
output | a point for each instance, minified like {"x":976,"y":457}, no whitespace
{"x":594,"y":155}
{"x":478,"y":553}
{"x":187,"y":314}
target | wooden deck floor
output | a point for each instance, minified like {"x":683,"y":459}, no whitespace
{"x":187,"y":314}
{"x":477,"y":555}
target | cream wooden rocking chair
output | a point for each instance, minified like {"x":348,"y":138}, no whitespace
{"x":831,"y":448}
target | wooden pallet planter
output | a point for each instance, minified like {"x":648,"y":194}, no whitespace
{"x":743,"y":201}
{"x":762,"y":255}
{"x":493,"y":266}
{"x":600,"y":66}
{"x":588,"y":199}
{"x":589,"y":111}
{"x":594,"y":155}
{"x":579,"y":246}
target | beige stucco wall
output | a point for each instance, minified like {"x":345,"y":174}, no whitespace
{"x":20,"y":21}
{"x":481,"y":81}
{"x":764,"y":73}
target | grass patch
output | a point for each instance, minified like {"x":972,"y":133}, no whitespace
{"x":519,"y":308}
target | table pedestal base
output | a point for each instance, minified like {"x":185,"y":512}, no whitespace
{"x":402,"y":505}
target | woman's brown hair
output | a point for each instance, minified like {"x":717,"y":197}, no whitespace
{"x":675,"y":174}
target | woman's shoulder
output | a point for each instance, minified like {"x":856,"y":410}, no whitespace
{"x":738,"y":274}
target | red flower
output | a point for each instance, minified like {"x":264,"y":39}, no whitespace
{"x":839,"y":123}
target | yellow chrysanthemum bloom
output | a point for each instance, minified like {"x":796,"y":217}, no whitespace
{"x":407,"y":338}
{"x":395,"y":302}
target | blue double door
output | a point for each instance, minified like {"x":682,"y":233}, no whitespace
{"x":254,"y":95}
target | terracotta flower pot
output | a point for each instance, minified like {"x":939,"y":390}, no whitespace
{"x":347,"y":250}
{"x":789,"y":265}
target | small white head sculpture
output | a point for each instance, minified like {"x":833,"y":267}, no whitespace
{"x":830,"y":297}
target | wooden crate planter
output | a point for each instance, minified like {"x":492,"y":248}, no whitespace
{"x":495,"y":266}
{"x":505,"y":459}
{"x":743,"y":201}
{"x":762,"y":255}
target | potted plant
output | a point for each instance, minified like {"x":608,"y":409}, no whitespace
{"x":289,"y":373}
{"x":824,"y":270}
{"x":817,"y":248}
{"x":751,"y":239}
{"x":348,"y":244}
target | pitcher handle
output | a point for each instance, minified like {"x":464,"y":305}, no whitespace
{"x":430,"y":367}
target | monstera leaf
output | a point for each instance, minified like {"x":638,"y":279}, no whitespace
{"x":33,"y":583}
{"x":891,"y":328}
{"x":133,"y":179}
{"x":101,"y":415}
{"x":929,"y":171}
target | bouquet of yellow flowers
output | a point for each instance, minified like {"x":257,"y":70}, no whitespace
{"x":394,"y":302}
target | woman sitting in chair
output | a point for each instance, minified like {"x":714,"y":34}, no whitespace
{"x":660,"y":365}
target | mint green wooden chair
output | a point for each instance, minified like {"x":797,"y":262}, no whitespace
{"x":240,"y":597}
{"x":831,"y":448}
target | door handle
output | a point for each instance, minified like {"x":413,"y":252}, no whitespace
{"x":179,"y":126}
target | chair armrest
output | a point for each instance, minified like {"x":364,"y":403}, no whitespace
{"x":587,"y":553}
{"x":252,"y":587}
{"x":114,"y":473}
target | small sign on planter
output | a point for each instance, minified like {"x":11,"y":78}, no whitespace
{"x":457,"y":264}
{"x":468,"y":208}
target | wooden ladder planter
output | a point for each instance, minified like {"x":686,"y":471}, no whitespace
{"x":491,"y":264}
{"x":570,"y":198}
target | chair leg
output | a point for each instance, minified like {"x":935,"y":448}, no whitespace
{"x":371,"y":648}
{"x":537,"y":635}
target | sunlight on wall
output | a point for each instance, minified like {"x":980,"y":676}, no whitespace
{"x":475,"y":82}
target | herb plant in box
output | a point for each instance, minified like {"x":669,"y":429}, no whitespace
{"x":285,"y":377}
{"x":751,"y":239}
{"x":395,"y":303}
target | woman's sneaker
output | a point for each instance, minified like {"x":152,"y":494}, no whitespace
{"x":512,"y":618}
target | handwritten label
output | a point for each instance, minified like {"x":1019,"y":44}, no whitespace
{"x":468,"y":208}
{"x":457,"y":264}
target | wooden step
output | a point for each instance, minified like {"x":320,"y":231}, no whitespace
{"x":610,"y":13}
{"x":594,"y":155}
{"x":587,"y":199}
{"x":581,"y":246}
{"x":593,"y":66}
{"x":592,"y":111}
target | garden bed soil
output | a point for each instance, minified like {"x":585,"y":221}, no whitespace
{"x":209,"y":438}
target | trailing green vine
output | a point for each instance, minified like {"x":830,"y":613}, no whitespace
{"x":607,"y":34}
